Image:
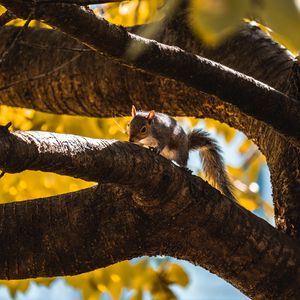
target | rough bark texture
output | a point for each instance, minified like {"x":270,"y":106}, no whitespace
{"x":87,"y":81}
{"x":168,"y":203}
{"x":205,"y":75}
{"x":95,"y":85}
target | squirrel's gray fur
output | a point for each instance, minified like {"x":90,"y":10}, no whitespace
{"x":163,"y":134}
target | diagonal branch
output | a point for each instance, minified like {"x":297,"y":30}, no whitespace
{"x":92,"y":86}
{"x":6,"y":17}
{"x":16,"y":37}
{"x":200,"y":73}
{"x":163,"y":200}
{"x":39,"y":76}
{"x":249,"y":51}
{"x":93,"y":97}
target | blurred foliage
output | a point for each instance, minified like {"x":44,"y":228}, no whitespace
{"x":134,"y":12}
{"x":213,"y":20}
{"x":20,"y":22}
{"x":139,"y":277}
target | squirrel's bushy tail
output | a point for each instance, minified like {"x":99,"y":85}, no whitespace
{"x":212,"y":160}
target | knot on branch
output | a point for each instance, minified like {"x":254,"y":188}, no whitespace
{"x":170,"y":194}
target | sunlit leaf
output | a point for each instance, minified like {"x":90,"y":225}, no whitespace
{"x":174,"y":273}
{"x":249,"y":204}
{"x":214,"y":20}
{"x":245,"y":146}
{"x":2,"y":9}
{"x":269,"y":209}
{"x":138,"y":295}
{"x":283,"y":17}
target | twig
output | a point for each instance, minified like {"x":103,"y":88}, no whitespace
{"x":6,"y":17}
{"x":120,"y":127}
{"x":8,"y":125}
{"x":34,"y":45}
{"x":4,"y":129}
{"x":17,"y":36}
{"x":39,"y":76}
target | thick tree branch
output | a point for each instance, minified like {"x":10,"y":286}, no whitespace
{"x":198,"y":72}
{"x":92,"y":86}
{"x":40,"y":76}
{"x":16,"y":37}
{"x":255,"y":257}
{"x":168,"y":96}
{"x":253,"y":52}
{"x":249,"y":51}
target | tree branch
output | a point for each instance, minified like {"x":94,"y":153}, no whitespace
{"x":253,"y":52}
{"x":39,"y":76}
{"x":6,"y":17}
{"x":92,"y":86}
{"x":235,"y":88}
{"x":93,"y":97}
{"x":16,"y":37}
{"x":162,"y":198}
{"x":249,"y":51}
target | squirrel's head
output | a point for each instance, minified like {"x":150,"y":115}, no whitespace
{"x":139,"y":127}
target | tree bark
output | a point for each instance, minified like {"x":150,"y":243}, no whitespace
{"x":94,"y":227}
{"x":248,"y":244}
{"x":144,"y":86}
{"x":200,"y":73}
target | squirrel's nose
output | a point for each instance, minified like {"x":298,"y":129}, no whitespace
{"x":131,"y":140}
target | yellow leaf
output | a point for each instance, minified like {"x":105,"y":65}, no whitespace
{"x":2,"y":9}
{"x":269,"y":209}
{"x":284,"y":18}
{"x":214,"y":20}
{"x":138,"y":295}
{"x":235,"y":172}
{"x":253,"y":169}
{"x":174,"y":273}
{"x":245,"y":146}
{"x":249,"y":204}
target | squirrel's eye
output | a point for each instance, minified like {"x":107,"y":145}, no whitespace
{"x":143,"y":129}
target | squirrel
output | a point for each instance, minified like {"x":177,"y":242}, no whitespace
{"x":162,"y":134}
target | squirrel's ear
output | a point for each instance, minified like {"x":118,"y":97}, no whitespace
{"x":151,"y":115}
{"x":133,"y":111}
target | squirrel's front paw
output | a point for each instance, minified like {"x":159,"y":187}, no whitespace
{"x":155,"y":150}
